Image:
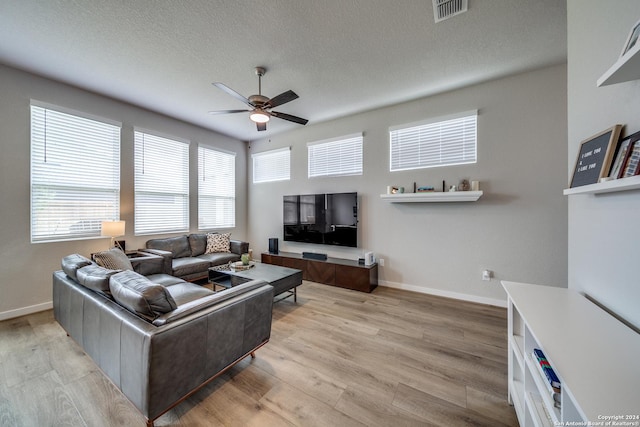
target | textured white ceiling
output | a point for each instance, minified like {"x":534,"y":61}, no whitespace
{"x":340,"y":56}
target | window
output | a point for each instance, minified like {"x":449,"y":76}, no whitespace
{"x":161,"y":184}
{"x":336,"y":157}
{"x":273,"y":165}
{"x":75,"y":174}
{"x":216,"y":189}
{"x":442,"y":141}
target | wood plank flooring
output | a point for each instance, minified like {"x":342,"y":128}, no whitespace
{"x":336,"y":358}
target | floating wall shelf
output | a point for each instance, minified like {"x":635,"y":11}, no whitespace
{"x":625,"y":69}
{"x":432,"y":197}
{"x":616,"y":185}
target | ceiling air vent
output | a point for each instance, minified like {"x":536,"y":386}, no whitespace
{"x":445,"y":9}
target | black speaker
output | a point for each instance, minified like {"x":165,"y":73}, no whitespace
{"x":273,"y":245}
{"x":314,"y":255}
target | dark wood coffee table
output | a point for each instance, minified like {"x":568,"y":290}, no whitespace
{"x":283,"y":279}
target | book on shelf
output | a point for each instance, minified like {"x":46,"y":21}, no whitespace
{"x":547,"y":371}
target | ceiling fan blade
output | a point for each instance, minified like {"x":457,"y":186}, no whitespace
{"x":261,"y":126}
{"x":283,"y":98}
{"x":232,"y":92}
{"x":289,"y":117}
{"x":228,"y":111}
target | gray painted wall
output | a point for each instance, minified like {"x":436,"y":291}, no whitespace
{"x":518,"y":228}
{"x":25,"y":268}
{"x":603,"y":230}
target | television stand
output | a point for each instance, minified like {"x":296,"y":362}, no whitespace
{"x":338,"y":272}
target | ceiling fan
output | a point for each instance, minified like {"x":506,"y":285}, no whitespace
{"x":261,"y":105}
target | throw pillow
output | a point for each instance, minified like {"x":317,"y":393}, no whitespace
{"x":113,"y":259}
{"x":218,"y":242}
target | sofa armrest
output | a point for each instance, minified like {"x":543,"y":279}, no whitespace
{"x":146,"y":263}
{"x":167,"y":258}
{"x":239,"y":247}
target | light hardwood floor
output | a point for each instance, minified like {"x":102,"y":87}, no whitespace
{"x":336,"y":358}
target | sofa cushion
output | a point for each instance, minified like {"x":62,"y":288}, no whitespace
{"x":96,"y":278}
{"x":198,"y":243}
{"x":72,"y":263}
{"x":113,"y":259}
{"x":218,"y":242}
{"x":219,"y":258}
{"x":185,"y":292}
{"x":178,"y":246}
{"x":164,"y":279}
{"x":183,"y":267}
{"x":139,"y":295}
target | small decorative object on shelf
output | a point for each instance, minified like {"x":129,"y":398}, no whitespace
{"x":452,"y":189}
{"x":632,"y":39}
{"x":394,"y":189}
{"x":623,"y":150}
{"x":594,"y":157}
{"x":475,"y":185}
{"x":627,"y":67}
{"x":632,"y":164}
{"x":464,"y":185}
{"x":424,"y":189}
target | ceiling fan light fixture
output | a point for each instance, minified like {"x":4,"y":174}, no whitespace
{"x":259,"y":116}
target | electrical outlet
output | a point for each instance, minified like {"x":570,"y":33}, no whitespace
{"x":381,"y":262}
{"x":487,"y":275}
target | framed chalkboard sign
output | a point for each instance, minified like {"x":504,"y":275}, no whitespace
{"x":594,"y":157}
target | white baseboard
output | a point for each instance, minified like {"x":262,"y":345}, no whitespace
{"x":447,"y":294}
{"x":26,"y":310}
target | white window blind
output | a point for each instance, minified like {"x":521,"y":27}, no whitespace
{"x":75,"y":175}
{"x":161,"y":184}
{"x":273,"y":165}
{"x":335,"y":157}
{"x":442,"y":141}
{"x":216,"y":189}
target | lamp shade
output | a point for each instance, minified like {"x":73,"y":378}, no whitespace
{"x":112,"y":228}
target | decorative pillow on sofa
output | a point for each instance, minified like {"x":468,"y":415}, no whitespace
{"x":113,"y":259}
{"x":141,"y":296}
{"x":218,"y":242}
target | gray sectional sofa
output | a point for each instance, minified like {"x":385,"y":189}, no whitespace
{"x":185,"y":256}
{"x":158,"y":338}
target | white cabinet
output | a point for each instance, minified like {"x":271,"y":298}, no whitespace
{"x":595,"y":356}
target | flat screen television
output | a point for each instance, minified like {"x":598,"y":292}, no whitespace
{"x":326,"y":219}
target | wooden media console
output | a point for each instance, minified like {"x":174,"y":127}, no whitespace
{"x":339,"y":272}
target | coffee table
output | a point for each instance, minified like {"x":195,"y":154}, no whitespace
{"x":283,"y":279}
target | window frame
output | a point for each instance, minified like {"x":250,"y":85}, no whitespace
{"x":270,"y":158}
{"x":442,"y":121}
{"x":142,"y":226}
{"x":75,"y":139}
{"x":203,"y":222}
{"x":340,"y":164}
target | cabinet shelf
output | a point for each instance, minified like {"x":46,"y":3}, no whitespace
{"x":616,"y":185}
{"x":432,"y":197}
{"x":625,"y":69}
{"x":565,"y":325}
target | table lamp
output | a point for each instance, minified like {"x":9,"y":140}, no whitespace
{"x":112,"y":229}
